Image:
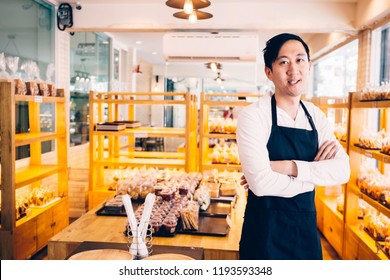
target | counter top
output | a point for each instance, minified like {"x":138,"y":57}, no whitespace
{"x":93,"y":228}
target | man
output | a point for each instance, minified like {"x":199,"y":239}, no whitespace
{"x":286,"y":147}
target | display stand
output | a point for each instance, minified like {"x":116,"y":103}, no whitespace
{"x":108,"y":150}
{"x":215,"y":101}
{"x":358,"y":244}
{"x":330,"y":219}
{"x":22,"y":238}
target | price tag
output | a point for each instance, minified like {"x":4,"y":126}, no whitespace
{"x":140,"y":135}
{"x":38,"y":98}
{"x":229,"y":221}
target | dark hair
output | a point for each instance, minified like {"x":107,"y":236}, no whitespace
{"x":274,"y":45}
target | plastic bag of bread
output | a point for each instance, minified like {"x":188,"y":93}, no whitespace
{"x":190,"y":216}
{"x":202,"y":196}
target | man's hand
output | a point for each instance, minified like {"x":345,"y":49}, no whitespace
{"x":328,"y":150}
{"x":244,"y":183}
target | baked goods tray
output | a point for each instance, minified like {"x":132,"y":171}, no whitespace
{"x":380,"y":200}
{"x":381,"y":246}
{"x":217,"y":209}
{"x":366,"y":148}
{"x":384,"y":153}
{"x":374,"y":100}
{"x":378,"y":238}
{"x":208,"y":225}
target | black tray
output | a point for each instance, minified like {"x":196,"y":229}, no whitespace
{"x":384,"y":153}
{"x":365,"y":148}
{"x":103,"y":212}
{"x":374,"y":100}
{"x":217,"y":209}
{"x":372,"y":236}
{"x":213,"y":226}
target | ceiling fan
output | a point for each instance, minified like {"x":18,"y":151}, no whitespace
{"x":219,"y":79}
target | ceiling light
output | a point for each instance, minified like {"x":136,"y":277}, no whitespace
{"x":199,"y":15}
{"x":180,"y":4}
{"x":214,"y":66}
{"x":192,"y":17}
{"x":188,"y":7}
{"x":138,"y":42}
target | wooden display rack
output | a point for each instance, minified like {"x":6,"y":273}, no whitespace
{"x":207,"y":102}
{"x":106,"y":150}
{"x":357,"y":243}
{"x":330,"y":221}
{"x":22,"y":238}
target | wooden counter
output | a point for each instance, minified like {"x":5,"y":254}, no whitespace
{"x":91,"y":227}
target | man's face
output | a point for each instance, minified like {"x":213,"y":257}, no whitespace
{"x":290,"y":70}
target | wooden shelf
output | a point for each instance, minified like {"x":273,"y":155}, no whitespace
{"x":30,"y":174}
{"x":367,"y":240}
{"x":112,"y":152}
{"x":382,"y":104}
{"x":28,"y":138}
{"x":160,"y":155}
{"x":220,"y":135}
{"x":220,"y":166}
{"x":208,"y":103}
{"x":20,"y":239}
{"x":372,"y":202}
{"x":39,"y":99}
{"x":140,"y":162}
{"x":376,"y":154}
{"x":35,"y":212}
{"x":144,"y":132}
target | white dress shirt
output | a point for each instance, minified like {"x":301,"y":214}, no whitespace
{"x":253,"y":131}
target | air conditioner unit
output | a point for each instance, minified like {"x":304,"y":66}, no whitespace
{"x":202,"y":46}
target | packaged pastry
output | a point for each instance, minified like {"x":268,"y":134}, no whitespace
{"x":32,"y":88}
{"x":202,"y":196}
{"x":228,"y":188}
{"x":51,"y":90}
{"x":43,"y":89}
{"x":170,"y":224}
{"x":190,"y":216}
{"x":20,"y":87}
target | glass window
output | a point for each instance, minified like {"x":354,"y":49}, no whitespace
{"x":335,"y":73}
{"x":90,"y":70}
{"x":29,"y":35}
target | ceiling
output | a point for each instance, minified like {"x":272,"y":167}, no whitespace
{"x":321,"y":23}
{"x":147,"y":21}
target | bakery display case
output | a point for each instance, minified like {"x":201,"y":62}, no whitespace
{"x":113,"y":141}
{"x":330,"y":200}
{"x":367,"y":204}
{"x":34,"y":202}
{"x":217,"y":131}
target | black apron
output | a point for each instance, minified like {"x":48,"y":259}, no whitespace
{"x":278,"y":228}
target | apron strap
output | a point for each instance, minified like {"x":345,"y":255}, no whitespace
{"x":273,"y":107}
{"x":308,"y":116}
